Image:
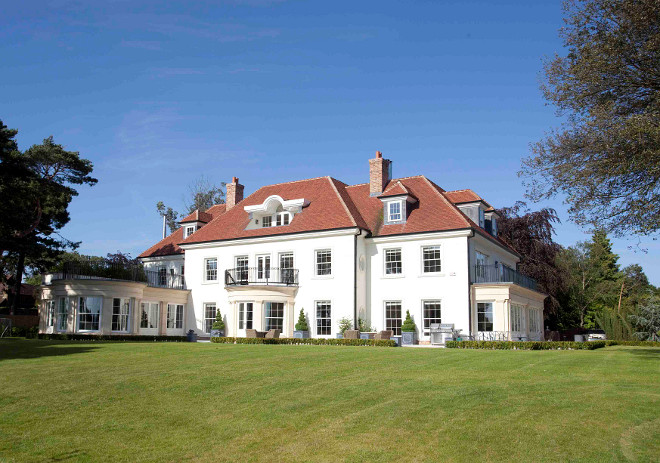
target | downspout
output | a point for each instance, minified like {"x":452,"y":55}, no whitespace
{"x":469,"y":283}
{"x":355,"y":276}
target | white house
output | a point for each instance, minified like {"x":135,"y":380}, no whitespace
{"x":371,"y":251}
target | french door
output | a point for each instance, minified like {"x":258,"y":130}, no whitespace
{"x":245,"y":318}
{"x":263,"y":267}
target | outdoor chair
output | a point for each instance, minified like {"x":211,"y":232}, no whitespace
{"x":352,"y":334}
{"x":250,"y":333}
{"x":273,"y":334}
{"x":384,"y":335}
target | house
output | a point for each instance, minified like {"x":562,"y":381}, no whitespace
{"x":371,"y":251}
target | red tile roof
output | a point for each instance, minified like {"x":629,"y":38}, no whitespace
{"x":466,"y":196}
{"x":169,"y":245}
{"x":394,"y":188}
{"x":198,"y":216}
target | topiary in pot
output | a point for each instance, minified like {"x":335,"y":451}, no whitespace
{"x":408,"y":331}
{"x":345,"y":323}
{"x":302,"y":329}
{"x":218,"y":327}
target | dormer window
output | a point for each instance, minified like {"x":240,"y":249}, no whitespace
{"x":282,"y":218}
{"x":188,"y":230}
{"x":266,"y":221}
{"x":274,"y":212}
{"x":394,"y":211}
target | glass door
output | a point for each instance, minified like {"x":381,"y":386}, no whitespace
{"x":245,"y":318}
{"x":263,"y":268}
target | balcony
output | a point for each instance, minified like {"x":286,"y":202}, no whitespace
{"x":103,"y":270}
{"x":253,"y":276}
{"x":502,"y":274}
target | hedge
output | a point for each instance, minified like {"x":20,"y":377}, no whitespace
{"x":110,"y":337}
{"x":633,"y":343}
{"x":525,"y":345}
{"x":24,"y":332}
{"x":306,"y":341}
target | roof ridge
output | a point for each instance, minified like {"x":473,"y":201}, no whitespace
{"x":292,"y":181}
{"x":391,"y":180}
{"x":464,"y":189}
{"x":348,"y":212}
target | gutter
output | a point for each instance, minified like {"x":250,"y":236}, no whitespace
{"x":471,"y":235}
{"x":355,"y":275}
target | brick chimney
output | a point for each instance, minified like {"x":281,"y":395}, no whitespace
{"x":234,"y":193}
{"x":380,"y":171}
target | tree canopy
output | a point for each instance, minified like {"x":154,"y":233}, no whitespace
{"x":202,"y":194}
{"x":605,"y":157}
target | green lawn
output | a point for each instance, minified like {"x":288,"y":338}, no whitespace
{"x":77,"y":401}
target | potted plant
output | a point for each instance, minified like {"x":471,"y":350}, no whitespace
{"x":345,"y":323}
{"x":302,"y":329}
{"x":366,"y":330}
{"x":408,"y":331}
{"x":218,"y":327}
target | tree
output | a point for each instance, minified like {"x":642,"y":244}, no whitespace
{"x":302,"y":322}
{"x":530,"y":233}
{"x":647,"y":321}
{"x":202,"y":194}
{"x":36,"y":187}
{"x":219,"y":323}
{"x":605,"y":158}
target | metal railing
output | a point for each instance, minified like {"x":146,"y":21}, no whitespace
{"x":261,"y":276}
{"x":502,"y":274}
{"x":103,"y":270}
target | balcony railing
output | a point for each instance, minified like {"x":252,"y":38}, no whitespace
{"x":502,"y":274}
{"x":261,"y":276}
{"x":102,"y":270}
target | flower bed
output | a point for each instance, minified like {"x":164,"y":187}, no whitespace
{"x":307,"y":341}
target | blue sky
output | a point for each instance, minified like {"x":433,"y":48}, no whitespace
{"x":158,"y":93}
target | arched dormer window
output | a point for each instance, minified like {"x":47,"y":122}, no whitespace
{"x":274,"y":212}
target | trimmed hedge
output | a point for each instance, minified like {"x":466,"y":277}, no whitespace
{"x":307,"y":341}
{"x":525,"y":345}
{"x":633,"y":343}
{"x":24,"y":332}
{"x":110,"y":337}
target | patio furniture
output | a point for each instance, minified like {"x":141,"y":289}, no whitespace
{"x":251,"y":334}
{"x":273,"y":334}
{"x":352,"y":334}
{"x":384,"y":335}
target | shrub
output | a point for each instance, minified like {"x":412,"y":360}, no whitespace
{"x":308,"y":341}
{"x":345,"y":323}
{"x":613,"y":342}
{"x":218,"y":324}
{"x":364,"y":327}
{"x":110,"y":337}
{"x":24,"y":332}
{"x":302,"y":322}
{"x":525,"y":345}
{"x":408,"y":323}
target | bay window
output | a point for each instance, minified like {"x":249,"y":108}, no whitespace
{"x":174,"y":316}
{"x":89,"y":313}
{"x":274,"y":314}
{"x":62,"y":314}
{"x":120,"y":314}
{"x":149,"y":315}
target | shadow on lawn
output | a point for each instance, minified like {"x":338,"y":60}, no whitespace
{"x":29,"y":349}
{"x":648,"y":352}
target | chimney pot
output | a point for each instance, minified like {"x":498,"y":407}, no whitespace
{"x":379,"y":154}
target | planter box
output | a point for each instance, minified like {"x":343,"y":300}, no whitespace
{"x":301,"y":334}
{"x":397,"y":339}
{"x":217,"y":333}
{"x":340,"y":335}
{"x":368,"y":335}
{"x":408,"y":338}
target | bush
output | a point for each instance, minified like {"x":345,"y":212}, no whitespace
{"x":24,"y":332}
{"x":408,"y":323}
{"x":308,"y":341}
{"x":364,"y":327}
{"x":345,"y":324}
{"x":613,"y":342}
{"x":525,"y":345}
{"x":302,"y":322}
{"x":218,"y":324}
{"x":110,"y":337}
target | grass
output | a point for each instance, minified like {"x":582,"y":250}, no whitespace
{"x":78,"y":401}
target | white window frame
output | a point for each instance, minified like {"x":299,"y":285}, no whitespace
{"x":385,"y":262}
{"x":208,"y":321}
{"x":121,"y":315}
{"x":426,"y":330}
{"x":386,"y":318}
{"x":492,"y":312}
{"x":188,"y":230}
{"x":327,"y":320}
{"x":517,"y":317}
{"x":206,"y":270}
{"x":263,"y":221}
{"x":422,"y":250}
{"x":62,"y":315}
{"x":267,"y":318}
{"x":316,"y":263}
{"x":390,"y":216}
{"x":78,"y":314}
{"x":175,"y":319}
{"x":50,"y":313}
{"x":149,"y":306}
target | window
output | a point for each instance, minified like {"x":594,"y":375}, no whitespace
{"x":62,"y":314}
{"x":392,"y":261}
{"x":149,"y":315}
{"x":480,"y":269}
{"x":394,"y":211}
{"x":120,"y":314}
{"x":211,"y":266}
{"x":174,"y":316}
{"x":431,"y":313}
{"x":324,"y":262}
{"x":162,"y":276}
{"x":267,"y":221}
{"x":245,"y":315}
{"x":323,"y":320}
{"x":482,"y":218}
{"x":393,"y":317}
{"x":534,"y":321}
{"x":242,"y":267}
{"x":431,"y":259}
{"x":183,"y":270}
{"x":189,"y":230}
{"x":89,"y":313}
{"x":517,"y":317}
{"x":282,"y":218}
{"x":50,"y":313}
{"x":210,"y":312}
{"x":484,"y":316}
{"x":286,"y":267}
{"x":274,"y":315}
{"x":493,"y":226}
